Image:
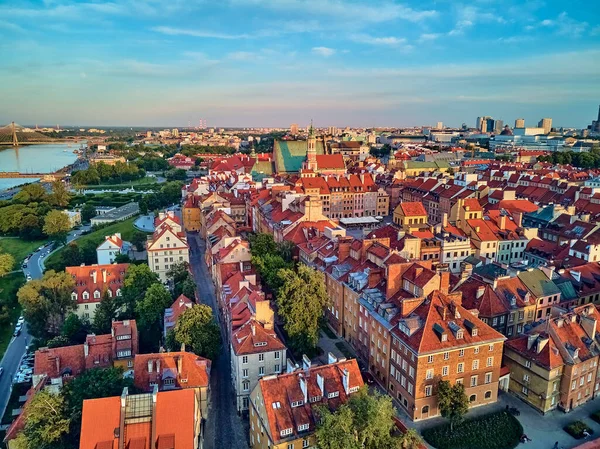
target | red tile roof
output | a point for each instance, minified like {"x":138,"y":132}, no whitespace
{"x":97,"y":278}
{"x":186,"y":369}
{"x":413,"y":209}
{"x":253,"y":338}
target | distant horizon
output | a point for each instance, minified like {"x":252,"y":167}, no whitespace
{"x":270,"y":63}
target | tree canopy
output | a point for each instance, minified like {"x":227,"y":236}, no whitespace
{"x":198,"y":330}
{"x":452,"y":401}
{"x":60,"y":195}
{"x":149,"y":313}
{"x":57,"y":225}
{"x":47,"y":422}
{"x":46,"y":303}
{"x":7,"y":262}
{"x":138,"y":279}
{"x":301,"y":300}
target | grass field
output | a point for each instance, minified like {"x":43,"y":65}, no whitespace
{"x":9,"y":285}
{"x":19,"y":248}
{"x":124,"y":227}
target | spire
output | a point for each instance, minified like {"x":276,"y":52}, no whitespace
{"x":311,"y":131}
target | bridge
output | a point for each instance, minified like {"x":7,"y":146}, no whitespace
{"x":16,"y":174}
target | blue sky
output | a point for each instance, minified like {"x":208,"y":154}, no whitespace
{"x":274,"y":62}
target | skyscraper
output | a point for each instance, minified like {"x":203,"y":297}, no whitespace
{"x":294,"y":128}
{"x":440,"y":125}
{"x":520,"y":123}
{"x":485,"y":124}
{"x":545,"y":123}
{"x":498,"y":126}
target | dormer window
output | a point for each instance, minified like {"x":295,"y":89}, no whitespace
{"x":459,"y":334}
{"x":97,"y":294}
{"x":297,"y":403}
{"x":286,"y":432}
{"x":260,"y":343}
{"x":302,"y":427}
{"x":74,"y":296}
{"x":314,"y":399}
{"x":333,"y":394}
{"x":85,"y":295}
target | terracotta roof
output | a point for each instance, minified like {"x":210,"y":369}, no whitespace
{"x":279,"y":391}
{"x":253,"y":338}
{"x":413,"y":209}
{"x":187,"y":370}
{"x":176,"y":420}
{"x":330,"y":161}
{"x":97,"y":278}
{"x":172,"y":314}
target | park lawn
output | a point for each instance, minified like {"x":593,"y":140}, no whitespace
{"x":19,"y":248}
{"x":9,"y":285}
{"x":96,"y":237}
{"x":499,"y":430}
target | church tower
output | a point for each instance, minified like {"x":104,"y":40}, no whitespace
{"x":311,"y":153}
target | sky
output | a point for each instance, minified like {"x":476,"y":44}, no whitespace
{"x":249,"y":63}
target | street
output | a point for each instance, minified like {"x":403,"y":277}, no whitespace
{"x":16,"y":348}
{"x":224,"y":428}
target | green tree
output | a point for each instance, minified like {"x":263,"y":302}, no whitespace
{"x":88,"y":211}
{"x":171,"y":192}
{"x":262,"y":243}
{"x":178,"y":272}
{"x":138,"y":279}
{"x":46,"y":302}
{"x":57,"y":225}
{"x":122,"y":258}
{"x":71,"y":255}
{"x":60,"y":195}
{"x":268,"y":265}
{"x":149,"y":313}
{"x":301,"y":300}
{"x":139,"y":240}
{"x":286,"y":250}
{"x":47,"y":421}
{"x":91,"y":384}
{"x":177,"y":174}
{"x":452,"y":401}
{"x":335,"y":430}
{"x":104,"y":315}
{"x":31,"y":193}
{"x":188,"y":288}
{"x":74,"y":329}
{"x":58,"y":342}
{"x":198,"y":330}
{"x":7,"y":262}
{"x":30,"y":227}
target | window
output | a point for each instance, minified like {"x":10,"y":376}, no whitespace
{"x":460,"y":367}
{"x":429,"y":374}
{"x":488,"y":394}
{"x":488,"y":378}
{"x":475,"y":365}
{"x":490,"y":361}
{"x":446,"y":355}
{"x":302,"y":427}
{"x":444,"y":371}
{"x":245,"y":359}
{"x":525,"y":377}
{"x":410,"y":389}
{"x":574,"y":385}
{"x":411,"y":372}
{"x":246,"y":385}
{"x":491,"y":348}
{"x":524,"y":390}
{"x":461,"y":353}
{"x":244,"y":373}
{"x":261,"y":370}
{"x":305,"y":443}
{"x":169,"y":381}
{"x":286,"y":432}
{"x":476,"y":348}
{"x":277,"y":368}
{"x":428,"y":390}
{"x":473,"y":381}
{"x":473,"y":398}
{"x":261,"y":357}
{"x":527,"y":363}
{"x":430,"y":359}
{"x":277,"y":354}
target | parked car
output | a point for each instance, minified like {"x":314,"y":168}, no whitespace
{"x":1,"y":371}
{"x":21,"y":320}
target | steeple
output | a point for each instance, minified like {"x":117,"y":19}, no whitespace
{"x":311,"y":151}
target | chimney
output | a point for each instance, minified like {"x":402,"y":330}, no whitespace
{"x":86,"y":349}
{"x":444,"y":274}
{"x":306,"y":363}
{"x":154,"y":399}
{"x":303,"y":387}
{"x":331,"y":358}
{"x":150,"y":365}
{"x":253,"y":327}
{"x":518,"y":219}
{"x":94,"y":274}
{"x":104,"y":275}
{"x":480,"y":291}
{"x":444,"y":220}
{"x":346,"y":381}
{"x":321,"y":384}
{"x":502,"y":222}
{"x":374,"y":277}
{"x":57,"y":364}
{"x":157,"y":366}
{"x":122,"y":418}
{"x":179,"y":364}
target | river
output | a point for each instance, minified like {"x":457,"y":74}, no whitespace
{"x":45,"y":158}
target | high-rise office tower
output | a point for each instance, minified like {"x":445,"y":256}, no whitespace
{"x":520,"y":123}
{"x":485,"y":124}
{"x":545,"y":123}
{"x":440,"y":125}
{"x":498,"y":126}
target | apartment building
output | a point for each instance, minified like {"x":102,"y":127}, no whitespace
{"x":556,"y":364}
{"x":282,"y":406}
{"x":166,"y":247}
{"x":92,"y":282}
{"x":438,"y":339}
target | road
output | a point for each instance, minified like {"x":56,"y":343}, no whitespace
{"x":224,"y":428}
{"x":16,"y":347}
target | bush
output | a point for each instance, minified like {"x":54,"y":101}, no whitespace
{"x":576,"y":429}
{"x":494,"y":431}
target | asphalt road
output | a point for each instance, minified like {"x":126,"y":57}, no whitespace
{"x":16,"y":348}
{"x":224,"y":428}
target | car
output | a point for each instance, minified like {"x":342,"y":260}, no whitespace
{"x":24,"y":266}
{"x":17,"y":332}
{"x":1,"y":371}
{"x":367,"y":377}
{"x":21,"y":320}
{"x":28,"y":277}
{"x":26,"y":371}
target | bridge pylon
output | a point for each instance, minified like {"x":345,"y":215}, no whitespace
{"x":15,"y":142}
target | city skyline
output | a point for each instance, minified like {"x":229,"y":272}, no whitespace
{"x":250,"y":63}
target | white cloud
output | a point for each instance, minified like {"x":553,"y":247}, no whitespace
{"x":366,"y":11}
{"x":323,"y":51}
{"x":427,"y":37}
{"x":243,"y":56}
{"x":467,"y":16}
{"x":373,"y":40}
{"x":8,"y":26}
{"x":171,"y":31}
{"x":565,"y":25}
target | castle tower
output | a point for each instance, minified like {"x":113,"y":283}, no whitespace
{"x":311,"y":153}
